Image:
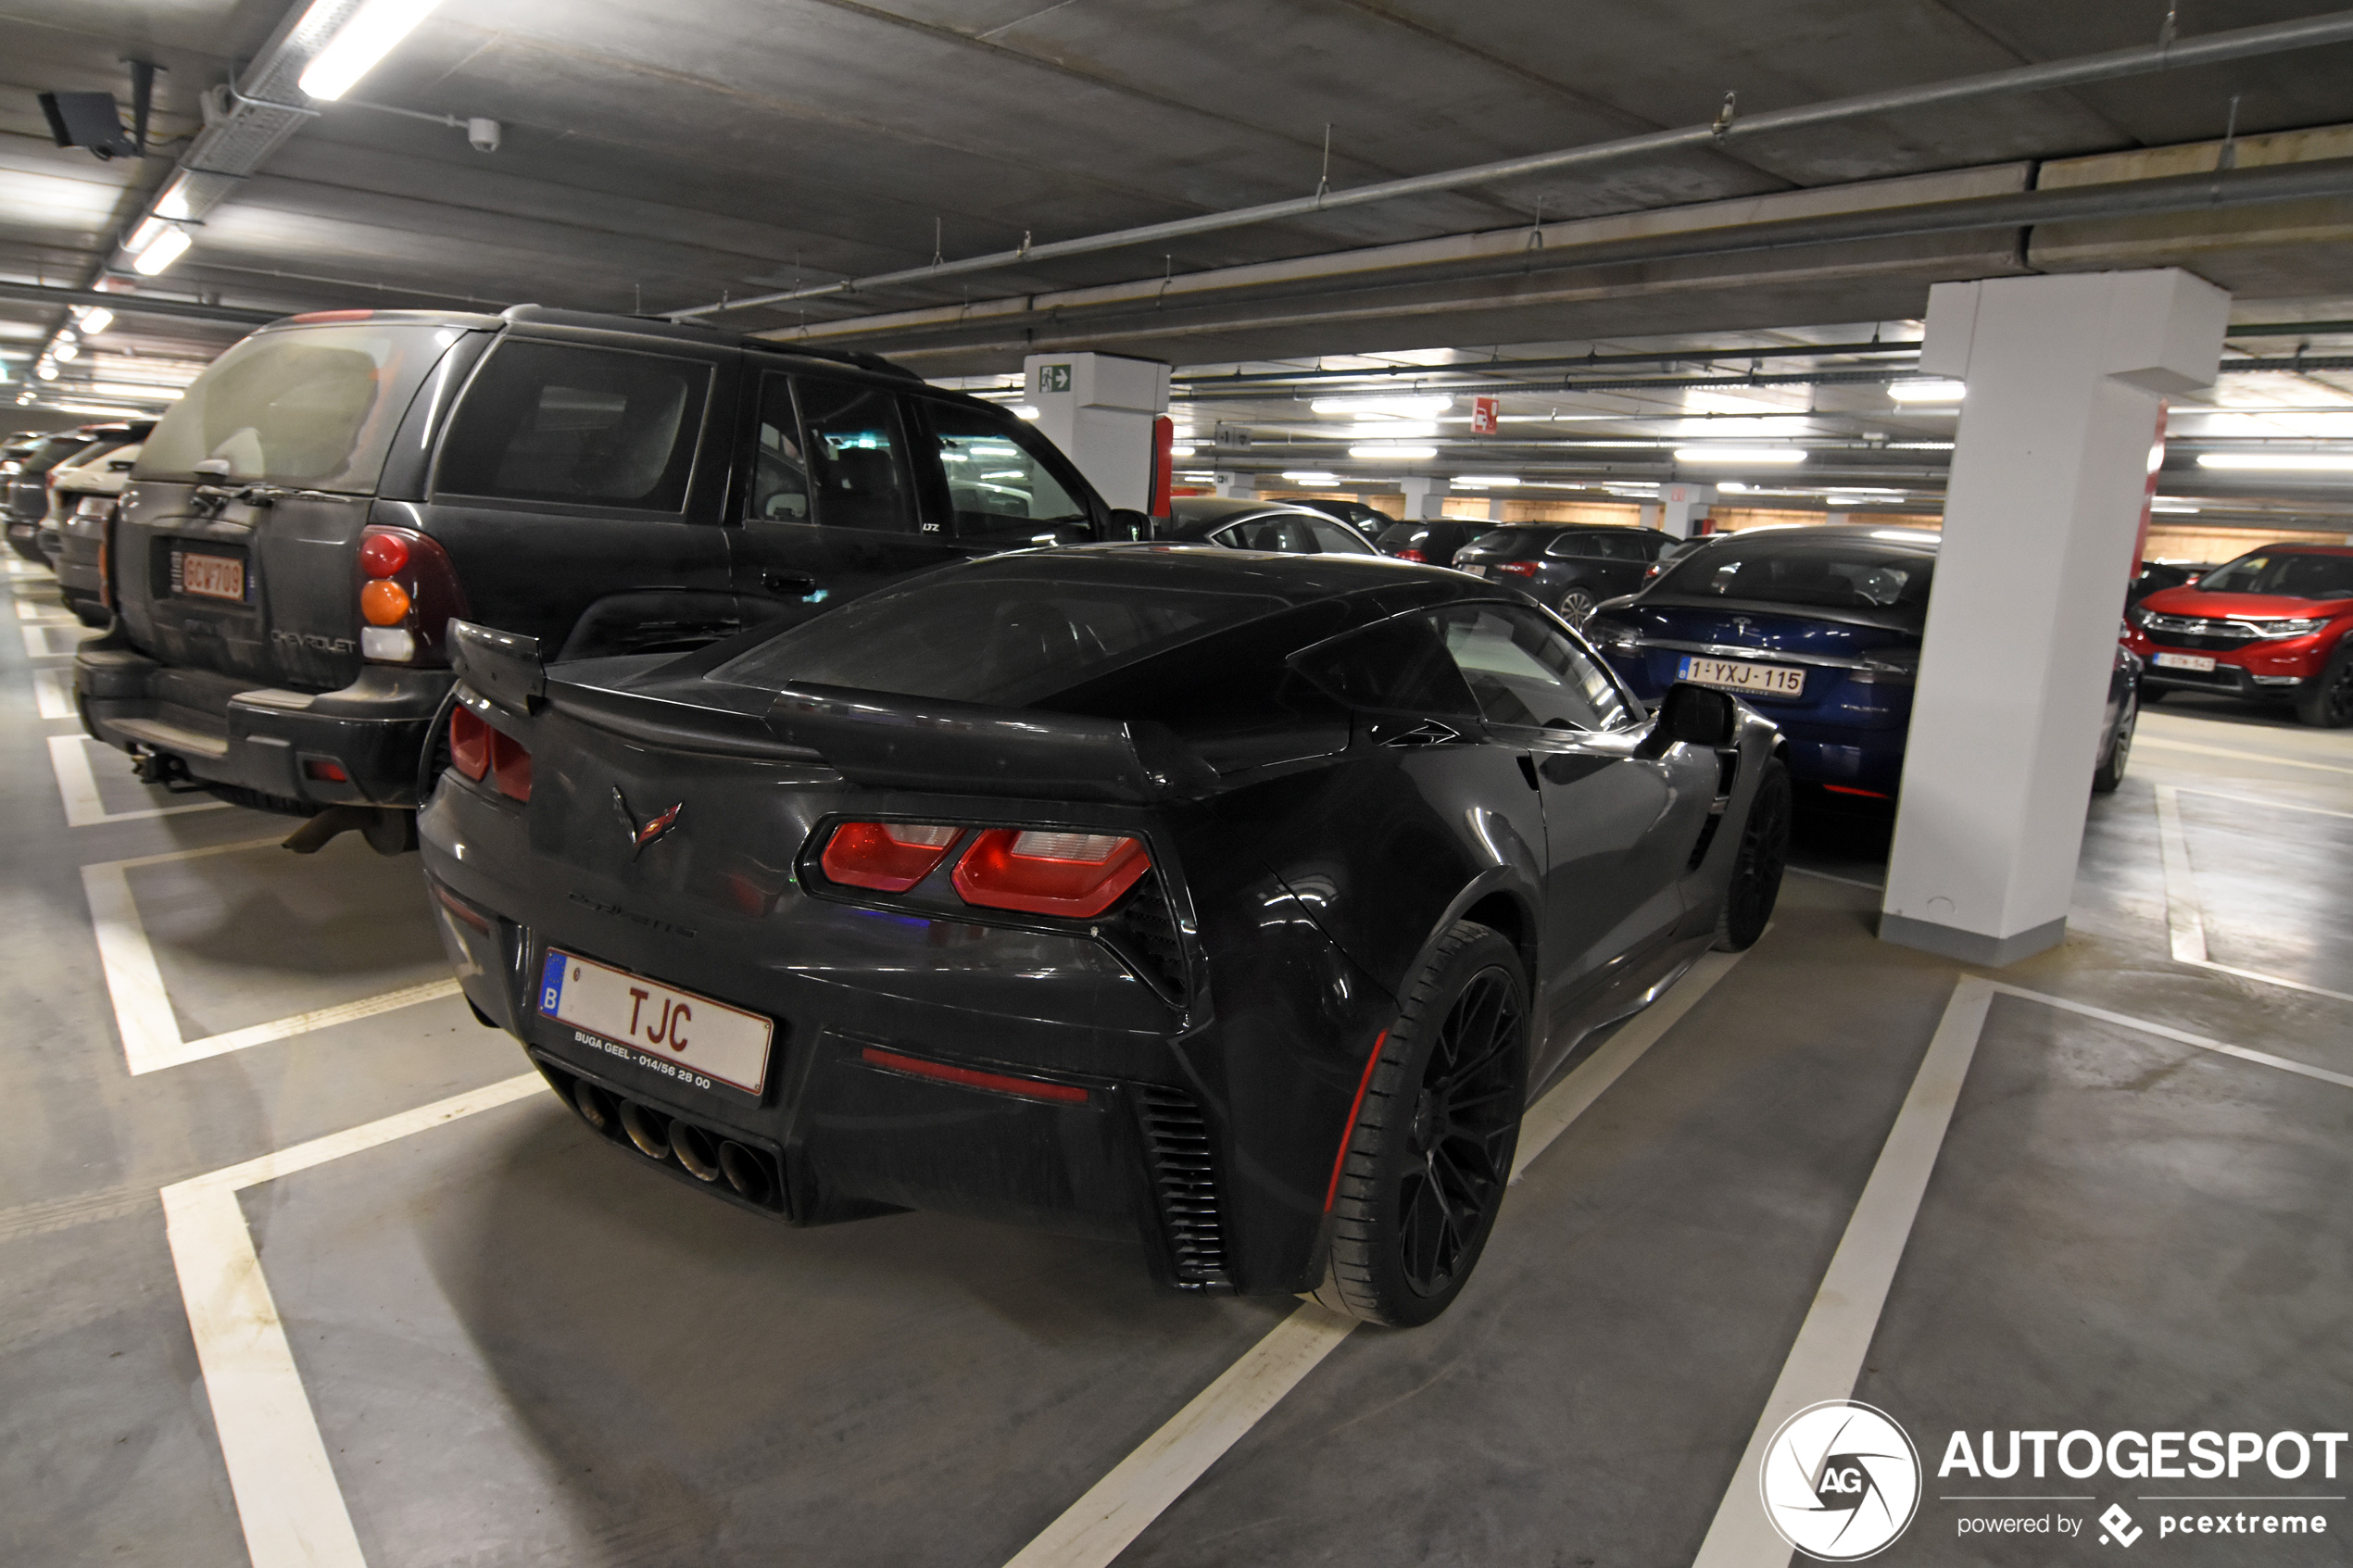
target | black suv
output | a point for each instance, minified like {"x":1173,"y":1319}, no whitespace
{"x":1571,"y":566}
{"x":304,"y":522}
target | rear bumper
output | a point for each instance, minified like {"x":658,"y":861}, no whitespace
{"x":223,"y":731}
{"x":25,"y":539}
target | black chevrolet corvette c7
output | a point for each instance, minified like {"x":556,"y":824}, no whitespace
{"x":1235,"y":901}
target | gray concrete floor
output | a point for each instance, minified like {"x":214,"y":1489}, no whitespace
{"x":519,"y":1348}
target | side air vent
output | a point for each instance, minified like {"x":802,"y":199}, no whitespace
{"x":1146,"y":936}
{"x":1177,"y":1141}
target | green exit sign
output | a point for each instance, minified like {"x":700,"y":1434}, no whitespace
{"x":1053,"y":378}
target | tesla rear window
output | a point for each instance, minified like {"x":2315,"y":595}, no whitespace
{"x":1839,"y":575}
{"x":314,"y":407}
{"x":2290,"y":574}
{"x":1007,"y":641}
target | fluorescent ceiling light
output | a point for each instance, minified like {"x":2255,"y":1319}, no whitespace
{"x":1181,"y":450}
{"x":173,"y":203}
{"x":1408,"y":407}
{"x":137,"y":394}
{"x":2278,"y":462}
{"x":45,"y":371}
{"x":1913,"y":535}
{"x":1378,"y":451}
{"x":1316,"y":477}
{"x":2169,"y":504}
{"x":368,"y":37}
{"x":149,"y":231}
{"x":65,"y":349}
{"x":1024,"y":411}
{"x":1927,"y":390}
{"x":1734,"y":485}
{"x":1487,"y":480}
{"x":96,"y":319}
{"x":166,"y":248}
{"x":1743,"y":455}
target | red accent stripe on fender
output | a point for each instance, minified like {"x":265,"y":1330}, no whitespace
{"x":972,"y":1077}
{"x":1348,"y":1130}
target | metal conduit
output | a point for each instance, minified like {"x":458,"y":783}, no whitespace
{"x":2335,"y":27}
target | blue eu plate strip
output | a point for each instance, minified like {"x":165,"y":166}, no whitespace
{"x":551,"y":983}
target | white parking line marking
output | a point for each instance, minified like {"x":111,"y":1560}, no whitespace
{"x":2185,"y":918}
{"x":151,"y":1038}
{"x":1828,"y":1355}
{"x":2236,"y":753}
{"x":2261,"y":800}
{"x":1118,"y":1508}
{"x":288,"y":1499}
{"x":53,"y":695}
{"x":38,"y":643}
{"x":78,"y":785}
{"x":52,"y":615}
{"x":1850,"y":881}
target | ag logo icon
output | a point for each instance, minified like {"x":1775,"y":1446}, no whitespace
{"x":1839,"y":1480}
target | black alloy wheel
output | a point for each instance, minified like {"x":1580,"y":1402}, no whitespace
{"x":1757,"y":869}
{"x":2118,"y":755}
{"x":1430,"y":1153}
{"x":2328,"y":702}
{"x":1577,"y":606}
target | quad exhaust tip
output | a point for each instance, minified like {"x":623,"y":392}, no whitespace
{"x":703,"y":1154}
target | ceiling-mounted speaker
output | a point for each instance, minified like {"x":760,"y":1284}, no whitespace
{"x":90,"y":121}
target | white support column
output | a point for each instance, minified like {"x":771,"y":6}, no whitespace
{"x":1099,"y":408}
{"x":1495,"y":509}
{"x":1425,"y":498}
{"x":1681,"y":507}
{"x":1648,"y":514}
{"x":2049,"y":465}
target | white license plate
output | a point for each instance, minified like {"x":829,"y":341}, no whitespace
{"x":1773,"y":680}
{"x":212,"y":577}
{"x":2183,"y":661}
{"x":675,"y":1032}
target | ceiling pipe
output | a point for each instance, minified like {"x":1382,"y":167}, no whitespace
{"x":2335,"y":27}
{"x":136,"y":304}
{"x":2138,"y":198}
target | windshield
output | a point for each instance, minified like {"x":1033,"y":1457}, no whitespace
{"x":998,"y":639}
{"x":2288,"y":574}
{"x":1832,"y":574}
{"x":313,"y":407}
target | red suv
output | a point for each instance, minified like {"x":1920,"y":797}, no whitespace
{"x":2276,"y":626}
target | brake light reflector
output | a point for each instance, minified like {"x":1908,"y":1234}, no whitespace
{"x":1049,"y":872}
{"x":326,"y":772}
{"x":468,"y":743}
{"x":886,"y":856}
{"x":384,"y":554}
{"x":972,"y":1077}
{"x":1518,"y":568}
{"x":509,"y":766}
{"x":1412,"y":554}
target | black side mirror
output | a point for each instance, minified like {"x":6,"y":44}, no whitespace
{"x":1694,"y":715}
{"x":1126,"y":524}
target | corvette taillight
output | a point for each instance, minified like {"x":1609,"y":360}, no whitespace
{"x":1047,"y":872}
{"x":478,"y":751}
{"x":886,"y":856}
{"x":408,"y":592}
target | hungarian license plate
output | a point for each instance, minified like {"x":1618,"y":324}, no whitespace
{"x":212,"y":577}
{"x":1772,"y":679}
{"x":2184,"y":661}
{"x":689,"y":1037}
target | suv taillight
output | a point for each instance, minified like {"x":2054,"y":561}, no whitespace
{"x":408,"y":590}
{"x":1517,"y":568}
{"x":1411,"y":554}
{"x":1035,"y":871}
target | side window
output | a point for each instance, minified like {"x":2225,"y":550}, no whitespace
{"x":1577,"y":547}
{"x":1399,"y":666}
{"x":857,"y":457}
{"x":1336,"y":538}
{"x":1524,"y":671}
{"x":547,"y":421}
{"x":1001,"y":490}
{"x":1281,"y":534}
{"x":779,"y":490}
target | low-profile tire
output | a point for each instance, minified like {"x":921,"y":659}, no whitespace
{"x":1577,"y":606}
{"x":2118,"y":755}
{"x":1757,"y":864}
{"x":1430,"y":1152}
{"x":2327,"y":703}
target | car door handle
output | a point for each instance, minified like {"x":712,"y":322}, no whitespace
{"x":1567,"y":767}
{"x":795,"y":582}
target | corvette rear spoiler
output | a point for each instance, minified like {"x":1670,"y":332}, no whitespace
{"x":880,"y":738}
{"x":503,"y":667}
